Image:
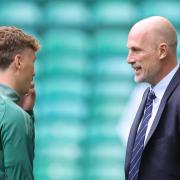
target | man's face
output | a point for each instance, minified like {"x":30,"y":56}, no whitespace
{"x":26,"y":72}
{"x":143,"y":56}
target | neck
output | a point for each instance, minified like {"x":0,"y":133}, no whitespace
{"x":165,"y":70}
{"x":169,"y":66}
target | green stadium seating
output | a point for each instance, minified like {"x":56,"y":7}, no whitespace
{"x":82,"y":81}
{"x":168,"y":9}
{"x":22,"y":14}
{"x":110,"y":42}
{"x":108,"y":13}
{"x":66,"y":42}
{"x":66,"y":13}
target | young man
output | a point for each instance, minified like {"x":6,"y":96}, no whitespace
{"x":17,"y":57}
{"x":153,"y":150}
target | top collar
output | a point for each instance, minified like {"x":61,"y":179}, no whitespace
{"x":9,"y":93}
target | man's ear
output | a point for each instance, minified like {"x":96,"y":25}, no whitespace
{"x":163,"y":50}
{"x":18,"y":61}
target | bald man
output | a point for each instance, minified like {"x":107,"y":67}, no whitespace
{"x":153,"y":149}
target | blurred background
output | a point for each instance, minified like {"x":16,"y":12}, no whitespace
{"x":85,"y":89}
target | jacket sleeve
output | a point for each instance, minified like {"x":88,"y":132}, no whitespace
{"x":18,"y":143}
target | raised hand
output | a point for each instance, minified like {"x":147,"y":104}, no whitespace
{"x":28,"y":100}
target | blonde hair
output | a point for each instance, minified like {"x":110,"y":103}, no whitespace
{"x":13,"y":41}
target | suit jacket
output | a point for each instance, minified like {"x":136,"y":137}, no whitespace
{"x":161,"y":155}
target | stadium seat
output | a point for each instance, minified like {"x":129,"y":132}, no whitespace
{"x":109,"y":13}
{"x":110,"y":42}
{"x":66,"y":42}
{"x":168,"y":9}
{"x":71,"y":14}
{"x":22,"y":14}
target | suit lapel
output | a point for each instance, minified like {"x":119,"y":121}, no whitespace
{"x":134,"y":128}
{"x":172,"y":85}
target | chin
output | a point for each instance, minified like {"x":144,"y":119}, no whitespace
{"x":24,"y":92}
{"x":139,"y":80}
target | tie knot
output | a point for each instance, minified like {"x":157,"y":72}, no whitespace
{"x":151,"y":95}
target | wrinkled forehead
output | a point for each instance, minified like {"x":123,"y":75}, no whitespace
{"x":139,"y":37}
{"x":141,"y":30}
{"x":137,"y":34}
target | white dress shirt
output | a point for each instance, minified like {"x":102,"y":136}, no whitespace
{"x":159,"y":91}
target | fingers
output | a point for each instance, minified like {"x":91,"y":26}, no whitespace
{"x":32,"y":85}
{"x":31,"y":89}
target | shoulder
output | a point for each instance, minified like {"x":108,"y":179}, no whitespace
{"x":2,"y":107}
{"x":174,"y":99}
{"x":10,"y":112}
{"x":14,"y":122}
{"x":176,"y":91}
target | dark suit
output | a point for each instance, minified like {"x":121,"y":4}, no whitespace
{"x":161,"y":155}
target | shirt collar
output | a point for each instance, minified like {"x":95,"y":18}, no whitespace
{"x":160,"y":88}
{"x":9,"y":93}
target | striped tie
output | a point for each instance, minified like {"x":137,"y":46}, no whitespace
{"x":140,"y":136}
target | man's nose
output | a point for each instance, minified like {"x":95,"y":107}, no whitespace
{"x":130,"y":59}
